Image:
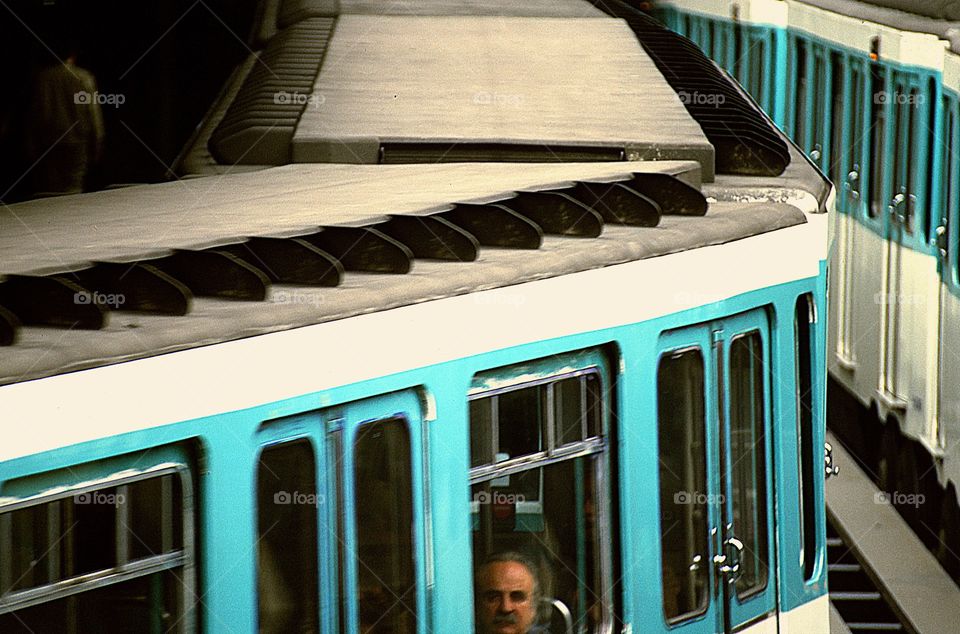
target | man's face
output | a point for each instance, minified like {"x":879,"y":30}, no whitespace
{"x":505,"y":603}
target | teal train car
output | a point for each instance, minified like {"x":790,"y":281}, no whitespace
{"x":314,"y":397}
{"x":870,"y":92}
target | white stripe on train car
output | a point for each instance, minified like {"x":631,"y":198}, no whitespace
{"x":766,"y":12}
{"x":916,"y":49}
{"x":63,"y":410}
{"x":813,"y":617}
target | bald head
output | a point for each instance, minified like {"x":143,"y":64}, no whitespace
{"x":508,"y":594}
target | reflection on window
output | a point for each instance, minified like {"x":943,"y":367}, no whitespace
{"x":547,"y":509}
{"x":683,"y":484}
{"x":748,"y":459}
{"x":384,"y":524}
{"x":287,"y":539}
{"x":121,"y":551}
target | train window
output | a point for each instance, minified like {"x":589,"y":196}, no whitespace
{"x":820,"y":102}
{"x":512,"y":425}
{"x":125,"y":550}
{"x":334,"y":453}
{"x":878,"y":119}
{"x":800,"y":94}
{"x":838,"y":100}
{"x":903,"y":118}
{"x":930,"y":218}
{"x":748,"y":459}
{"x":803,"y":324}
{"x":383,"y":484}
{"x":951,"y":175}
{"x":683,"y":484}
{"x":757,"y":69}
{"x":545,"y":513}
{"x":287,"y":538}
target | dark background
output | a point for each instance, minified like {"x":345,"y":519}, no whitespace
{"x":169,"y":59}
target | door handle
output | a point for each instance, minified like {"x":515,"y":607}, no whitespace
{"x":728,"y":563}
{"x":895,"y":206}
{"x":941,"y":234}
{"x":831,"y":469}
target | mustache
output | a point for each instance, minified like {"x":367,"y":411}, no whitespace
{"x":505,"y":619}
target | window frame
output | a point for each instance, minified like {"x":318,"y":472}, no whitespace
{"x":544,"y":371}
{"x":184,"y":558}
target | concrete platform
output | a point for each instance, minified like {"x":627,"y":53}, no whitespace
{"x":922,"y":594}
{"x":499,"y":80}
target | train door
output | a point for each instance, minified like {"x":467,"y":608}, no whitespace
{"x":949,"y":258}
{"x":716,"y":484}
{"x":852,"y":201}
{"x":375,"y":527}
{"x":901,"y":225}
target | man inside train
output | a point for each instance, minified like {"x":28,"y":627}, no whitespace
{"x":507,"y":595}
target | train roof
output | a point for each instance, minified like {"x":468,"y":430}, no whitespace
{"x":99,"y":278}
{"x":468,"y":80}
{"x":938,"y":18}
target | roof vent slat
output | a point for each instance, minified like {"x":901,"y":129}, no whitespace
{"x":432,"y":237}
{"x":9,"y":327}
{"x":215,"y":274}
{"x":52,"y":301}
{"x":289,"y":261}
{"x":363,"y":249}
{"x":674,"y":196}
{"x":557,"y":213}
{"x":137,"y":287}
{"x":618,"y":203}
{"x":495,"y":225}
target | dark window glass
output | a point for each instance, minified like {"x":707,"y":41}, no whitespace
{"x":287,"y":503}
{"x":757,"y":70}
{"x":28,"y":550}
{"x":808,"y":521}
{"x":335,"y":457}
{"x":683,"y":484}
{"x":384,"y":524}
{"x":748,"y":455}
{"x":154,"y":524}
{"x":509,"y":425}
{"x":878,"y":122}
{"x":820,"y":96}
{"x":855,"y":147}
{"x":800,"y":94}
{"x":952,"y":174}
{"x":838,"y":101}
{"x":92,"y":518}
